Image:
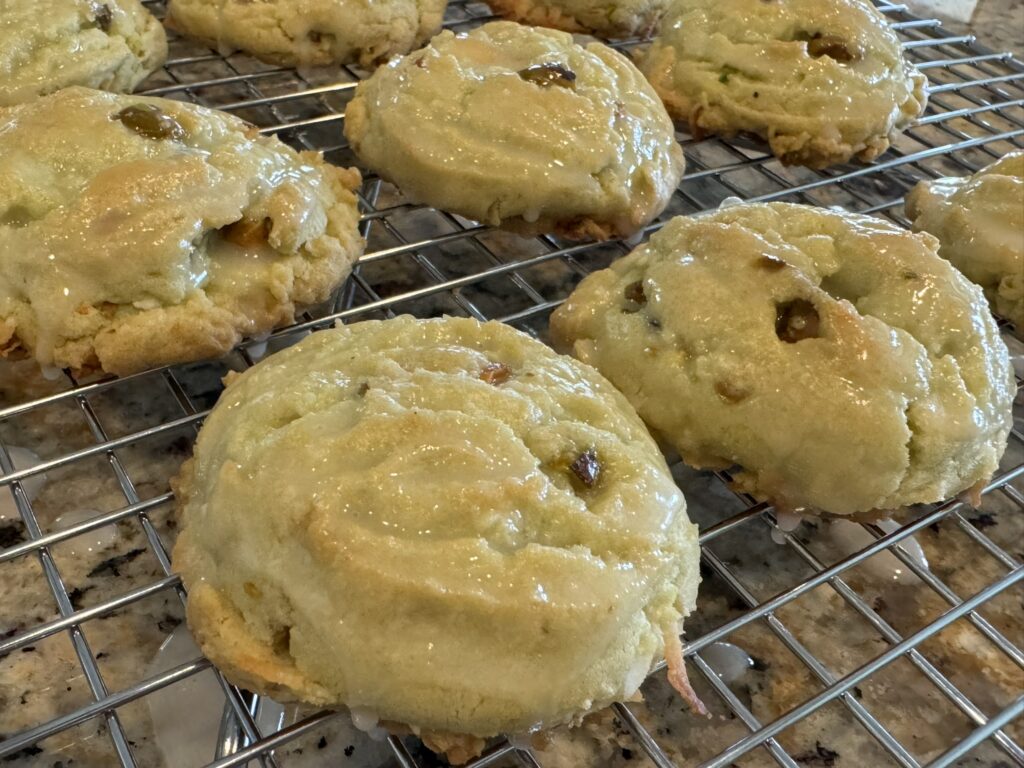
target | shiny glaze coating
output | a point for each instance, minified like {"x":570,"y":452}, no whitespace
{"x":607,"y":18}
{"x":310,"y":32}
{"x":50,"y":44}
{"x":822,"y":81}
{"x":837,"y":359}
{"x":373,"y":518}
{"x":455,"y":126}
{"x":979,"y":221}
{"x":137,"y":232}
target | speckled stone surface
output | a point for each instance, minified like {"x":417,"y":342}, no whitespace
{"x":178,"y":726}
{"x":998,"y":24}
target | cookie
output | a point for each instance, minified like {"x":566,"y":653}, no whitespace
{"x":823,"y":81}
{"x":521,"y":128}
{"x":139,"y":232}
{"x":46,"y":45}
{"x":980,"y":224}
{"x":606,"y":18}
{"x":835,"y":358}
{"x":440,"y":524}
{"x":309,"y":32}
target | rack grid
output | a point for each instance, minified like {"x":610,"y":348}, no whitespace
{"x":427,"y":262}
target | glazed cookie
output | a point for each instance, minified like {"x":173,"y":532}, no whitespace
{"x":310,"y":32}
{"x":980,"y":223}
{"x":138,"y":232}
{"x":46,"y":45}
{"x":835,"y":358}
{"x":436,"y":523}
{"x":521,"y":128}
{"x":608,"y":18}
{"x":821,"y":80}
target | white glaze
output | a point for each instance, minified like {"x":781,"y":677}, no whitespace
{"x":86,"y":543}
{"x":185,"y":716}
{"x":22,"y":458}
{"x":729,"y":661}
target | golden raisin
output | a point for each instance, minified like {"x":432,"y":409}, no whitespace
{"x":730,"y":392}
{"x":103,"y":16}
{"x":587,"y":468}
{"x":495,"y":374}
{"x":247,"y":232}
{"x":150,"y":122}
{"x":770,"y":263}
{"x":634,"y":292}
{"x":546,"y":75}
{"x":797,"y":320}
{"x":832,"y":46}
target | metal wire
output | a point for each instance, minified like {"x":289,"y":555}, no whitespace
{"x":976,"y":113}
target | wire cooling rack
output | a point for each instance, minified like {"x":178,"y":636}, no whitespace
{"x":852,"y":650}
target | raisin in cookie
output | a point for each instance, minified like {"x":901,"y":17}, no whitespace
{"x":837,"y":359}
{"x":608,"y":18}
{"x":137,"y":232}
{"x":521,"y":128}
{"x":821,"y":80}
{"x":46,"y":45}
{"x":310,"y":32}
{"x":980,"y":223}
{"x":437,"y":523}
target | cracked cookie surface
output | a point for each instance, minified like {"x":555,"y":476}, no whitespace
{"x":46,"y":45}
{"x":137,"y":232}
{"x":979,"y":221}
{"x":822,"y":81}
{"x":522,"y":128}
{"x":398,"y":516}
{"x":835,"y":358}
{"x":310,"y":32}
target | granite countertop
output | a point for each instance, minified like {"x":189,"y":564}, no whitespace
{"x":178,"y":726}
{"x":998,"y":24}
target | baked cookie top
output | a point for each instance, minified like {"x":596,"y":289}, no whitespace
{"x":609,"y":18}
{"x":979,"y":221}
{"x":837,"y":359}
{"x":310,"y":32}
{"x":50,"y":44}
{"x":520,"y":127}
{"x":388,"y":513}
{"x":821,"y":80}
{"x":137,"y":232}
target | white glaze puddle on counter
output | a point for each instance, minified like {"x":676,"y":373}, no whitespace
{"x":185,"y":716}
{"x":729,"y":661}
{"x":851,"y":538}
{"x":93,"y":541}
{"x":22,"y":458}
